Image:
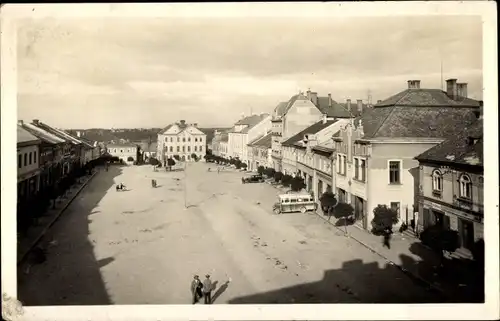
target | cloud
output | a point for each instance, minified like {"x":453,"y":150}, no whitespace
{"x":209,"y":66}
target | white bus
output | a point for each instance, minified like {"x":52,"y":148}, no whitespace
{"x":294,"y":203}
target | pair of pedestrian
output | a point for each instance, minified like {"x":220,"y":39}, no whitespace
{"x":202,"y":289}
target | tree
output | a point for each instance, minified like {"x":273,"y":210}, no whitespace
{"x":342,"y":211}
{"x":237,"y":163}
{"x":297,"y":183}
{"x":194,"y":156}
{"x":130,"y":159}
{"x":328,"y":201}
{"x":153,"y":161}
{"x":278,"y":176}
{"x":244,"y":166}
{"x":177,"y":157}
{"x":286,"y":180}
{"x":170,"y":163}
{"x":261,"y":170}
{"x":270,"y":172}
{"x":440,"y":240}
{"x":383,"y":220}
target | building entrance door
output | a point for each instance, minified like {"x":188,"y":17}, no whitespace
{"x":466,"y":233}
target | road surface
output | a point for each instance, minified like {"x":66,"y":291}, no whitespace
{"x":143,"y":246}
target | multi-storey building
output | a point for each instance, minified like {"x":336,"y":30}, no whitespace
{"x":374,"y":155}
{"x":300,"y":159}
{"x":219,"y":143}
{"x":245,"y":131}
{"x":259,"y":152}
{"x":451,"y":186}
{"x":300,"y":112}
{"x":127,"y":152}
{"x":28,"y":165}
{"x":182,"y":140}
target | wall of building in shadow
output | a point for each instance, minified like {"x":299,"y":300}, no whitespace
{"x":354,"y":282}
{"x":71,"y":273}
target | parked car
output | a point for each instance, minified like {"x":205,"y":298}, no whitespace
{"x":253,"y":179}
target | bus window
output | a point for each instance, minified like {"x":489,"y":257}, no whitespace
{"x":293,"y":200}
{"x":285,"y":200}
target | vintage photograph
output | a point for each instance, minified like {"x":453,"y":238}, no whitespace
{"x":250,"y":160}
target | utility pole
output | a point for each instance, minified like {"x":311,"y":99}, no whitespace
{"x":185,"y":184}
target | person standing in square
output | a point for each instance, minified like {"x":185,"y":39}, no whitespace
{"x":207,"y":289}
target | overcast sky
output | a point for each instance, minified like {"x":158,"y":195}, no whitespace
{"x":82,"y":73}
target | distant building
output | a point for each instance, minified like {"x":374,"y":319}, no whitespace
{"x":182,"y":140}
{"x":451,"y":186}
{"x":244,"y":131}
{"x":219,"y":143}
{"x":259,"y":152}
{"x":127,"y":152}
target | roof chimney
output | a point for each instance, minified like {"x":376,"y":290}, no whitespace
{"x":329,"y":100}
{"x":413,"y":84}
{"x":195,"y":124}
{"x":451,"y":88}
{"x":308,"y":92}
{"x":20,"y":122}
{"x":462,"y":90}
{"x":325,"y":118}
{"x":379,"y":101}
{"x":360,"y":105}
{"x":35,"y":121}
{"x":78,"y":133}
{"x":348,"y":104}
{"x":314,"y":98}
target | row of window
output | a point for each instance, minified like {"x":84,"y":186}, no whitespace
{"x":127,"y":150}
{"x":360,"y":169}
{"x":196,"y":148}
{"x":464,"y":182}
{"x":171,"y":139}
{"x":28,"y":158}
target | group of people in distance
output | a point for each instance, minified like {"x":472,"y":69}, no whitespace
{"x":202,"y":289}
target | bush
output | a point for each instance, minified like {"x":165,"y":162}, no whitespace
{"x":170,"y":162}
{"x":278,"y":176}
{"x":194,"y":156}
{"x":153,"y":161}
{"x":244,"y":166}
{"x":440,"y":239}
{"x":383,"y":220}
{"x":297,"y":183}
{"x":286,"y":180}
{"x":342,"y":211}
{"x":261,"y":170}
{"x":130,"y":159}
{"x":238,"y":163}
{"x":177,"y":157}
{"x":269,"y":172}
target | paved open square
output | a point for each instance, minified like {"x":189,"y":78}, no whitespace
{"x":143,"y":246}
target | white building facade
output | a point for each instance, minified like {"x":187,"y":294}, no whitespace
{"x":181,"y":140}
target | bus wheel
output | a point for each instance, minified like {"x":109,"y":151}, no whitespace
{"x":276,"y":211}
{"x":303,"y":210}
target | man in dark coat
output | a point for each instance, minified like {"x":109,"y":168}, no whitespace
{"x":196,"y":287}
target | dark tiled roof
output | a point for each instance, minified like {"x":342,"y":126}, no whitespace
{"x":426,"y":97}
{"x":279,"y":110}
{"x":399,"y":122}
{"x":336,"y":109}
{"x":464,"y":148}
{"x":313,"y":129}
{"x":263,"y":141}
{"x":251,"y":120}
{"x":24,"y":136}
{"x":45,"y":136}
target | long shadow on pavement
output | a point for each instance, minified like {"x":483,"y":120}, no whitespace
{"x":71,"y":274}
{"x":354,"y":282}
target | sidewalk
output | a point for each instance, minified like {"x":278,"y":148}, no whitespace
{"x":36,"y":232}
{"x":419,"y":262}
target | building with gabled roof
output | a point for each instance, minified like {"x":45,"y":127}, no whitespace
{"x":219,"y":143}
{"x":452,"y":190}
{"x":28,"y":168}
{"x":181,"y":140}
{"x":244,"y":131}
{"x":374,"y":154}
{"x":259,"y":151}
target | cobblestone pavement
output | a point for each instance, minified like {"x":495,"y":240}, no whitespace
{"x":143,"y":246}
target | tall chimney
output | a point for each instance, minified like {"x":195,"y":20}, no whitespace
{"x":360,"y":105}
{"x":462,"y":89}
{"x":314,"y":98}
{"x":451,"y":88}
{"x":329,"y":100}
{"x":348,"y":105}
